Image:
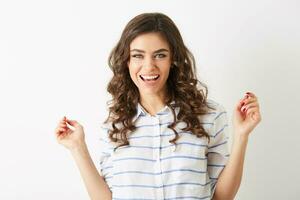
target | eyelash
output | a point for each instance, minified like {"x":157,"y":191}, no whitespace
{"x":137,"y":55}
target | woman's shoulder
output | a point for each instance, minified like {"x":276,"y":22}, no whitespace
{"x":215,"y":113}
{"x":108,"y":125}
{"x":217,"y":107}
{"x":218,"y":118}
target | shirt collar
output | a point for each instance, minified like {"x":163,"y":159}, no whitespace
{"x":142,"y":112}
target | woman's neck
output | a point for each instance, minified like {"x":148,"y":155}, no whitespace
{"x":152,"y":103}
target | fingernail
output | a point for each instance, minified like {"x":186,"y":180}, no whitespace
{"x":248,"y":94}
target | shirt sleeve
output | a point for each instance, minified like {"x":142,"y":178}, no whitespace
{"x":217,"y":154}
{"x":105,"y":158}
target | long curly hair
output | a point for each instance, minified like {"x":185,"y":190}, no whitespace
{"x":182,"y":82}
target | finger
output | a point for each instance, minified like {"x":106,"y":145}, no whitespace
{"x":250,"y":105}
{"x":59,"y":130}
{"x":63,"y":124}
{"x":241,"y":105}
{"x":248,"y":101}
{"x":248,"y":96}
{"x":245,"y":99}
{"x":251,"y":94}
{"x":73,"y":123}
{"x":252,"y":110}
{"x":60,"y":126}
{"x":61,"y":135}
{"x":63,"y":119}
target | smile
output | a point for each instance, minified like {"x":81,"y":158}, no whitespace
{"x":149,"y":78}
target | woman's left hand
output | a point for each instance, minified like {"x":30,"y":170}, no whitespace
{"x":246,"y":115}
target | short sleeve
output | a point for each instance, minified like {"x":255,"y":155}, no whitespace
{"x":105,"y":158}
{"x":217,"y":154}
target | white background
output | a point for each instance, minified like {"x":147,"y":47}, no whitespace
{"x":53,"y":62}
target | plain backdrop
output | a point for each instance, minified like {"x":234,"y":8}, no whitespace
{"x":53,"y":62}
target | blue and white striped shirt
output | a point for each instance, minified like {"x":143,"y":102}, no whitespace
{"x":149,"y":168}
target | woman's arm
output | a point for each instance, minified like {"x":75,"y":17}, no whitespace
{"x":230,"y":178}
{"x":94,"y":182}
{"x":246,"y":116}
{"x":73,"y":139}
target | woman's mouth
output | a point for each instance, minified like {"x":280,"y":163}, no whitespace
{"x":149,"y":78}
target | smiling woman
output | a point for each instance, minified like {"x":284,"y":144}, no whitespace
{"x":162,"y":139}
{"x":151,"y":47}
{"x":149,"y":65}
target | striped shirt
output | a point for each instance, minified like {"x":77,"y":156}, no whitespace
{"x":152,"y":168}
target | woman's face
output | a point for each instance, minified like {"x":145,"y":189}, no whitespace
{"x":149,"y":63}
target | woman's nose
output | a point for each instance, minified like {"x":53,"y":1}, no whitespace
{"x":149,"y":62}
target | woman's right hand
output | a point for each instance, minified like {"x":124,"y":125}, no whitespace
{"x":70,"y":138}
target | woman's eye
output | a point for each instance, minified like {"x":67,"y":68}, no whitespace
{"x":137,"y":56}
{"x":160,"y":55}
{"x":156,"y":56}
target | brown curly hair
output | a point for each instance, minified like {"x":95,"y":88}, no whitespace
{"x":181,"y":84}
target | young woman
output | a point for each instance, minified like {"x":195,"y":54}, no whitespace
{"x":163,"y":139}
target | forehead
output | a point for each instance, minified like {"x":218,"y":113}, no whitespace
{"x":149,"y":42}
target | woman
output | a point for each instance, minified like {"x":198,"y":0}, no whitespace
{"x":163,"y":139}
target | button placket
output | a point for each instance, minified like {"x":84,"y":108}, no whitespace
{"x":157,"y":153}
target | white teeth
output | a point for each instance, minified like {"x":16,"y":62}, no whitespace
{"x":149,"y":77}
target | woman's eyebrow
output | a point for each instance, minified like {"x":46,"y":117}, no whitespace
{"x":157,"y":51}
